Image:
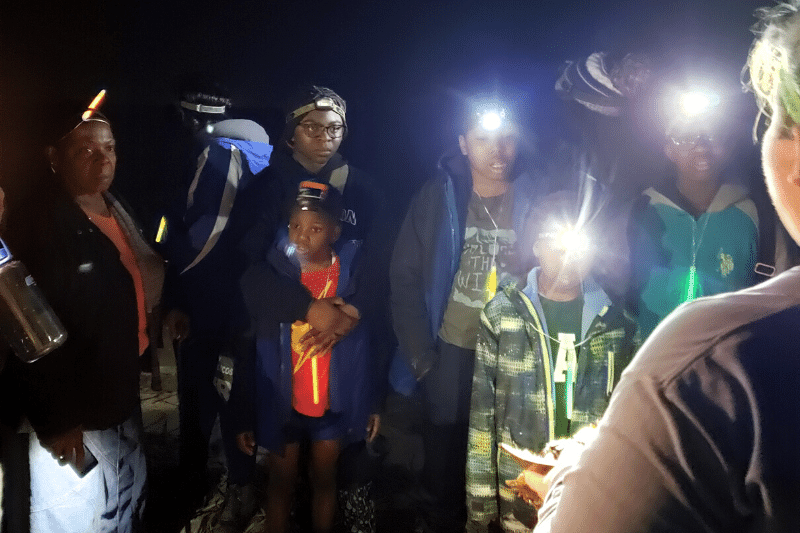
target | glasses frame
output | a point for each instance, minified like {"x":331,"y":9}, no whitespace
{"x":315,"y":129}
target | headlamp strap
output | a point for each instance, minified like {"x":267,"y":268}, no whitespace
{"x":325,"y":104}
{"x":208,"y":109}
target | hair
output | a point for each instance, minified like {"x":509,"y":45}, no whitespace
{"x":771,"y":71}
{"x":562,"y":205}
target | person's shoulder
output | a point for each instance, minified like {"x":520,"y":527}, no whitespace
{"x":696,"y":327}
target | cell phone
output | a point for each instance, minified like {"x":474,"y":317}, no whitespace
{"x":89,"y":462}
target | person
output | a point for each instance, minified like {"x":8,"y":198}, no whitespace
{"x":301,"y":392}
{"x":308,"y":150}
{"x":700,"y":432}
{"x":87,"y":466}
{"x":458,"y":238}
{"x":532,"y":342}
{"x":697,"y":233}
{"x":203,"y":285}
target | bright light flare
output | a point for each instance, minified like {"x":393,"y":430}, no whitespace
{"x":491,"y":120}
{"x":696,"y":103}
{"x":573,"y":241}
{"x":98,"y":100}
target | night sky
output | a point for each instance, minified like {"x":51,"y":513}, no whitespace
{"x":399,"y":65}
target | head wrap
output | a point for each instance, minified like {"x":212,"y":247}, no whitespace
{"x":603,"y":86}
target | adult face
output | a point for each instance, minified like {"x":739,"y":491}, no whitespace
{"x":313,"y":143}
{"x":491,"y":154}
{"x":780,"y":157}
{"x":86,"y":158}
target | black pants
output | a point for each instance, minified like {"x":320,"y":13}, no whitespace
{"x":199,"y":405}
{"x":448,"y":389}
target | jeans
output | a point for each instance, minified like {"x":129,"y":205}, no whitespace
{"x":108,"y":498}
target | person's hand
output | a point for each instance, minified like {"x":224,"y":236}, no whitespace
{"x":246,"y":441}
{"x":330,"y":320}
{"x":373,"y":426}
{"x":177,"y":324}
{"x":67,"y":447}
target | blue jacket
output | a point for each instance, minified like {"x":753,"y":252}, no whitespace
{"x":427,"y":254}
{"x":351,"y":372}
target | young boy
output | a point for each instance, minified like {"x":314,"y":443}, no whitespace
{"x":303,"y":393}
{"x":547,"y":359}
{"x":458,"y":238}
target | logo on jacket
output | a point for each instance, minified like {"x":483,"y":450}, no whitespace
{"x":725,"y":263}
{"x":349,"y":216}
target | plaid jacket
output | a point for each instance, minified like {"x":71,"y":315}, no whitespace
{"x":513,"y":390}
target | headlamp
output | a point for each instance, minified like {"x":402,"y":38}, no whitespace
{"x":310,"y":192}
{"x":96,"y":103}
{"x":572,"y":241}
{"x":491,"y":118}
{"x":694,"y":104}
{"x":207,"y":109}
{"x":323,"y":104}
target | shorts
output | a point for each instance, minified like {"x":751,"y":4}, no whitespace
{"x":325,"y":427}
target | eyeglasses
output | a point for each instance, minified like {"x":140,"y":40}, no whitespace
{"x":690,"y":141}
{"x":314,"y":129}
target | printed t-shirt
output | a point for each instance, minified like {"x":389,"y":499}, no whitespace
{"x":311,"y":373}
{"x":489,"y":240}
{"x":561,"y":317}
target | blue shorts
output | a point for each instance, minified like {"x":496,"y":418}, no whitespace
{"x":313,"y":428}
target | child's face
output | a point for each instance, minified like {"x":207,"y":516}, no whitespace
{"x":566,"y":269}
{"x":491,"y":154}
{"x":312,"y":233}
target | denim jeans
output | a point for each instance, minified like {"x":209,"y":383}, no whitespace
{"x":108,"y":498}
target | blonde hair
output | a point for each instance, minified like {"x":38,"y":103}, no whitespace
{"x":772,"y":70}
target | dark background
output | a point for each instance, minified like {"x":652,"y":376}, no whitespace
{"x":401,"y":66}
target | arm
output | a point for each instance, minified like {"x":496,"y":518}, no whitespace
{"x":409,"y":310}
{"x":482,"y":482}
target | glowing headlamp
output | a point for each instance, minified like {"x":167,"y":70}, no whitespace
{"x":572,"y":241}
{"x":694,"y":104}
{"x":491,"y":118}
{"x":323,"y":104}
{"x":96,"y":103}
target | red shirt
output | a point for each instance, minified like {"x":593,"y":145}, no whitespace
{"x":310,"y":385}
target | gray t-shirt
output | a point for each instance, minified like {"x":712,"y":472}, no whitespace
{"x":489,"y":239}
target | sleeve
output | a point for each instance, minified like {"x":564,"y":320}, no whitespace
{"x":409,"y":310}
{"x":481,"y":476}
{"x":663,"y":461}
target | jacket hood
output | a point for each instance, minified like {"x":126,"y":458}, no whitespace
{"x":726,"y":196}
{"x":248,"y":137}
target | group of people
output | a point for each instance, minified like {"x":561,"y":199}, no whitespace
{"x":522,"y":312}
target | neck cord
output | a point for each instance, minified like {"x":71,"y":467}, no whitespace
{"x":696,"y":243}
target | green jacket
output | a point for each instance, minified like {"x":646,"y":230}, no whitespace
{"x":513,"y":390}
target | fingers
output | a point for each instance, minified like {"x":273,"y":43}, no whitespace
{"x":246,"y":442}
{"x":373,"y":427}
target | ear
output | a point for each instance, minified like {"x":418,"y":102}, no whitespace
{"x":337,"y":232}
{"x":537,"y":248}
{"x":52,"y":157}
{"x":462,"y":143}
{"x":669,"y":151}
{"x":290,"y":143}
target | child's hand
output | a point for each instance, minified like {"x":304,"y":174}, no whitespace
{"x":373,"y":426}
{"x":246,"y":441}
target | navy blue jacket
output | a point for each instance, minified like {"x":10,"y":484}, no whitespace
{"x":264,"y":403}
{"x":428,"y":251}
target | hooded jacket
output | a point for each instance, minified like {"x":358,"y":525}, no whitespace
{"x":664,"y":239}
{"x":513,"y":394}
{"x":265,"y":403}
{"x":427,"y":254}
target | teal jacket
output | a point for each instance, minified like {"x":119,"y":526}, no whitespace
{"x":666,"y":238}
{"x":513,"y":391}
